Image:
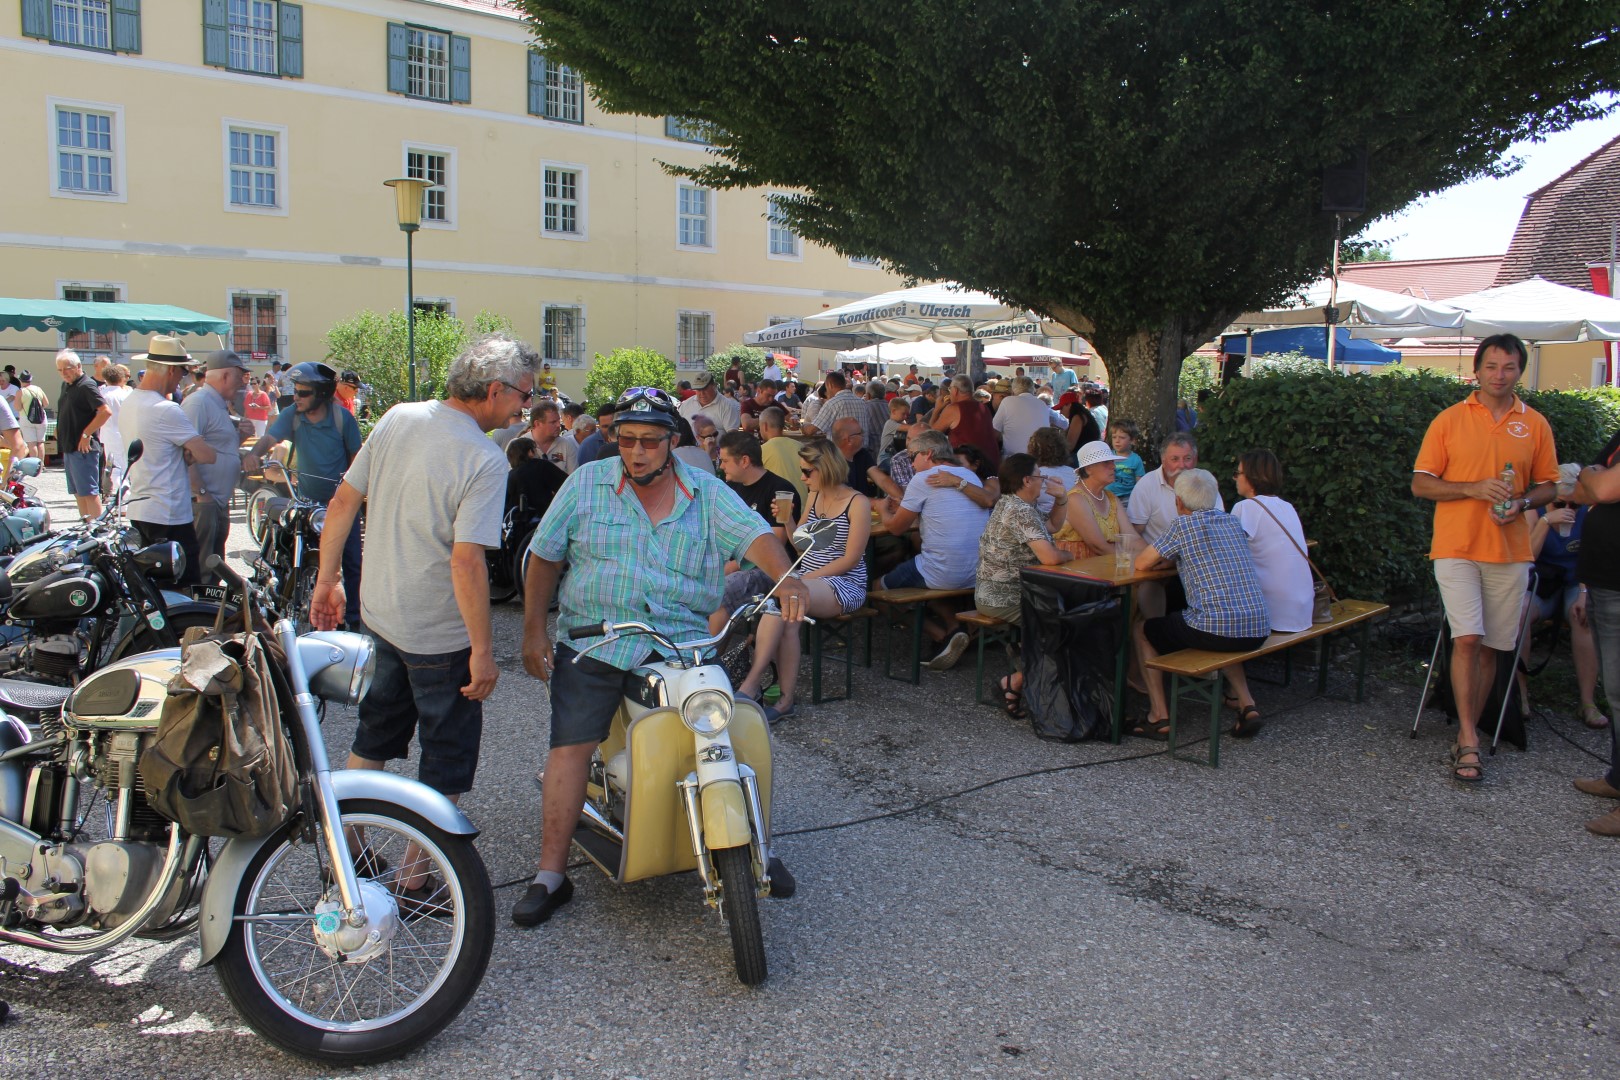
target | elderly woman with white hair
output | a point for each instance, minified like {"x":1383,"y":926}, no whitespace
{"x":1226,"y":609}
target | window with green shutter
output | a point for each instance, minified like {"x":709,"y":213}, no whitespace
{"x":257,"y":37}
{"x":104,"y":25}
{"x":428,"y":63}
{"x":556,"y":91}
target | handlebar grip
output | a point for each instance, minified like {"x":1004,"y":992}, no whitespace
{"x":593,"y":630}
{"x":217,"y":564}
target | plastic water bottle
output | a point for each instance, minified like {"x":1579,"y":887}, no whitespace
{"x":1505,"y":507}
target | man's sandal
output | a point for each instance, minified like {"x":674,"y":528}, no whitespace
{"x":1459,"y":767}
{"x":1157,"y":730}
{"x":1248,"y":723}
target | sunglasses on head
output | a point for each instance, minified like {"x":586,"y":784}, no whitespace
{"x":648,"y":442}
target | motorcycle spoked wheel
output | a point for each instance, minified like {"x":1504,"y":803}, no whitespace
{"x":740,"y":901}
{"x":147,"y":640}
{"x":303,"y":593}
{"x":326,"y":1009}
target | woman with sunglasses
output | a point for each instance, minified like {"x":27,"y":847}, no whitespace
{"x":835,"y":575}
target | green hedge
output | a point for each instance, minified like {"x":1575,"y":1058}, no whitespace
{"x":1347,"y":444}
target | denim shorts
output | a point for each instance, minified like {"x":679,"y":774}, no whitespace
{"x":584,"y":697}
{"x":83,"y":471}
{"x":904,"y":576}
{"x":420,"y":694}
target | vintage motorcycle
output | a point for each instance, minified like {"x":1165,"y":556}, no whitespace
{"x":311,"y":929}
{"x":24,"y":518}
{"x":683,"y":780}
{"x":288,"y":529}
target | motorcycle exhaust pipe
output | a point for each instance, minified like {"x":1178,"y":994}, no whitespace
{"x":598,"y":822}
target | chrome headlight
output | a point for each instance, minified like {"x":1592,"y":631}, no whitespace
{"x":706,"y":712}
{"x":317,"y":520}
{"x":339,"y":664}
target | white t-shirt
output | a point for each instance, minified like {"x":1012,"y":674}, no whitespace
{"x":10,"y":394}
{"x":772,"y":372}
{"x":1285,"y":576}
{"x":8,"y":419}
{"x":159,"y":485}
{"x":564,"y":453}
{"x":112,"y":436}
{"x":1153,"y":506}
{"x":724,"y":411}
{"x":951,"y":524}
{"x":1019,"y":417}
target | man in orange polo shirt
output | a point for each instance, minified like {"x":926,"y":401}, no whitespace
{"x":1481,"y":546}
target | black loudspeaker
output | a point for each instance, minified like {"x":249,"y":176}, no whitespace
{"x":1344,"y":185}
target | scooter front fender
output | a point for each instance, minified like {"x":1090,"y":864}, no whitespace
{"x":725,"y":815}
{"x":226,"y":876}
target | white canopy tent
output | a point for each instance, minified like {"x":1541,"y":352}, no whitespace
{"x":1540,"y":310}
{"x":1368,"y":312}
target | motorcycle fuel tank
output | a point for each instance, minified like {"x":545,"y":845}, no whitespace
{"x":72,"y":592}
{"x":124,"y":696}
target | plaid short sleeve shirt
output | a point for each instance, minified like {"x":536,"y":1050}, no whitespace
{"x":623,"y":568}
{"x":1211,"y":553}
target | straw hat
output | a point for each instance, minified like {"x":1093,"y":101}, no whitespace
{"x":164,"y":349}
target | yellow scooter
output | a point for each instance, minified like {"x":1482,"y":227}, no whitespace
{"x":683,"y":780}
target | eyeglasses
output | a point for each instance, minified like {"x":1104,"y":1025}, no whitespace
{"x":710,"y":437}
{"x":806,"y":471}
{"x":648,"y":442}
{"x":303,"y":393}
{"x":528,"y":395}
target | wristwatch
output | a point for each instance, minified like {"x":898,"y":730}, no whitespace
{"x":961,"y":485}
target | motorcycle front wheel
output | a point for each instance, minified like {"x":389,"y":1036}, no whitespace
{"x":740,"y":901}
{"x":375,"y":1003}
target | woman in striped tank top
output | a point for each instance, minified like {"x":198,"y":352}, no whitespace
{"x":835,"y":575}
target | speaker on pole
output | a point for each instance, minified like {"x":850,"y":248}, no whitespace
{"x":1344,"y":185}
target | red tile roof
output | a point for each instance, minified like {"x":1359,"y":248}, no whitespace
{"x":488,"y":7}
{"x":1565,"y":225}
{"x":1427,"y":279}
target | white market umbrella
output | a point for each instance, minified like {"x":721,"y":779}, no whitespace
{"x":793,"y":335}
{"x":1540,"y":310}
{"x":943,"y":311}
{"x":1393,"y":314}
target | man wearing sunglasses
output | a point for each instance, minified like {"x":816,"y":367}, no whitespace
{"x":645,"y":537}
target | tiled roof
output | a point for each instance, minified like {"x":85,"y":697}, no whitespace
{"x":487,"y":7}
{"x":1566,"y":224}
{"x":1426,"y":279}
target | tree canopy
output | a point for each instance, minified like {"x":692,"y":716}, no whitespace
{"x":1141,"y":172}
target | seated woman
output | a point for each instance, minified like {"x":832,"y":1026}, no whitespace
{"x":533,"y":481}
{"x":1557,"y":589}
{"x":1277,"y":546}
{"x":835,"y":575}
{"x":1096,"y":518}
{"x":1050,"y":449}
{"x":1226,"y":611}
{"x":1016,"y":536}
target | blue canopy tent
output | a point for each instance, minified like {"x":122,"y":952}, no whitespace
{"x":1311,"y":341}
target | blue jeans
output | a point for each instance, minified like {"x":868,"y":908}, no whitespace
{"x":1603,"y":612}
{"x":420,"y":694}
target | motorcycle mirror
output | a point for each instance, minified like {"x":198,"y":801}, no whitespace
{"x":28,"y":466}
{"x":815,"y":536}
{"x":136,"y":449}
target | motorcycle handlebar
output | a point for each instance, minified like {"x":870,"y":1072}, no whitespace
{"x":579,"y":633}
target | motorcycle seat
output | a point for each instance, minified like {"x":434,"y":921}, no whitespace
{"x":19,"y":695}
{"x":275,"y":506}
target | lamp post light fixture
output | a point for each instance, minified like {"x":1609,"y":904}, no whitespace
{"x":408,"y":194}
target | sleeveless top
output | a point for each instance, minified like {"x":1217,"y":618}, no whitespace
{"x":850,"y":586}
{"x":973,"y":426}
{"x":1107,"y":522}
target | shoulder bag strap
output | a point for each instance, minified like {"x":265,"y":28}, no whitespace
{"x":1291,"y":540}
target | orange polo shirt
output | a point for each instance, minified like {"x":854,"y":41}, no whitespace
{"x":1464,"y":444}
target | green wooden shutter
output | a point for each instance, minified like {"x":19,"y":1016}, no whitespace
{"x":216,"y":34}
{"x":460,"y":68}
{"x":126,"y":29}
{"x":36,"y":21}
{"x":537,"y":84}
{"x":399,"y":72}
{"x":291,"y":33}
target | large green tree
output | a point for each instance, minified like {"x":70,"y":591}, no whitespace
{"x":1141,"y":172}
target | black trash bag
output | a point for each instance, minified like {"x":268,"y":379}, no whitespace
{"x":1441,"y":697}
{"x":1070,"y":641}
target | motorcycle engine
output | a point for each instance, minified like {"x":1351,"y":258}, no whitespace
{"x":59,"y":656}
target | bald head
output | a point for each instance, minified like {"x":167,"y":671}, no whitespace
{"x":846,"y":435}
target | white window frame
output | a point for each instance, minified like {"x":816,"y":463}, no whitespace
{"x":579,"y":335}
{"x":108,"y":15}
{"x":710,"y":217}
{"x":280,"y":295}
{"x":696,"y":363}
{"x":448,"y":303}
{"x":775,"y":225}
{"x":118,"y":288}
{"x":251,"y":35}
{"x":419,"y":37}
{"x":563,"y":85}
{"x":582,"y":200}
{"x":120,"y":191}
{"x":864,"y":264}
{"x":451,"y":184}
{"x":283,"y":194}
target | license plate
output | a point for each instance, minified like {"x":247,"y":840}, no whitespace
{"x":214,"y":594}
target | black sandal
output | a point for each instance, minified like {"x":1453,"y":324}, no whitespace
{"x":1248,"y":723}
{"x":1157,"y":730}
{"x":1012,"y":701}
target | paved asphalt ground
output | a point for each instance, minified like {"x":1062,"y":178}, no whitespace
{"x":1328,"y":903}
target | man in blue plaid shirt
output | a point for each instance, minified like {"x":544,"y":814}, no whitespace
{"x":1226,"y":611}
{"x":646,"y":539}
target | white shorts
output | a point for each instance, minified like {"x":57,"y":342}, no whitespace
{"x":1483,"y":599}
{"x":32,"y":433}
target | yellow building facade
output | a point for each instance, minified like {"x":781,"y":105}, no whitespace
{"x":229,"y":156}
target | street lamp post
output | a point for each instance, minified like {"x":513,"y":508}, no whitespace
{"x":408,"y":193}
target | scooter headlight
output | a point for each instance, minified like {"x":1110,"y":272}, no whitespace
{"x":706,"y":712}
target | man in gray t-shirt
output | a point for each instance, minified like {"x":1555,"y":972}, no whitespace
{"x":213,"y":484}
{"x":435,"y":489}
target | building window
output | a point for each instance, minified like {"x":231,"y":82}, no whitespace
{"x":91,"y":341}
{"x":693,"y":338}
{"x":259,"y":37}
{"x":256,"y":325}
{"x":434,"y":305}
{"x":82,"y":22}
{"x":87,"y":150}
{"x":428,"y":63}
{"x":255,"y":167}
{"x":562,"y":211}
{"x":782,"y":242}
{"x":684,"y":130}
{"x":556,"y":91}
{"x":694,"y":217}
{"x":563,"y":338}
{"x":778,"y":320}
{"x":435,"y":164}
{"x":862,"y":260}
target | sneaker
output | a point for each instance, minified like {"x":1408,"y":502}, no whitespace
{"x":950,"y":654}
{"x":539,"y":903}
{"x":429,"y":900}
